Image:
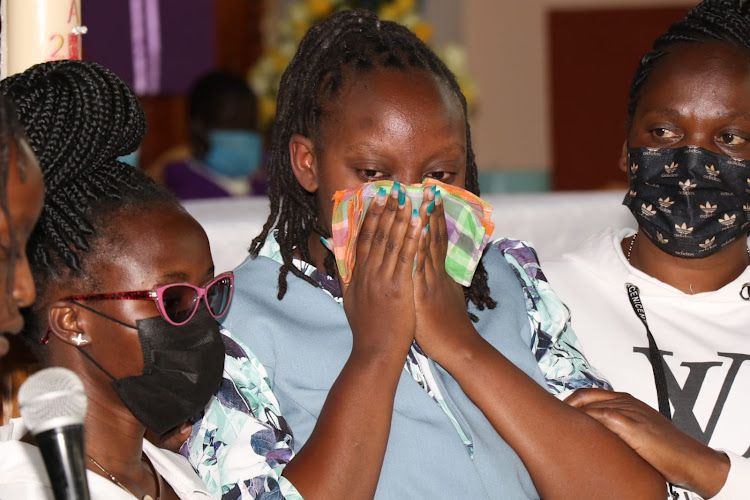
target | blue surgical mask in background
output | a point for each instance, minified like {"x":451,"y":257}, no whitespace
{"x":234,"y":153}
{"x":132,"y":158}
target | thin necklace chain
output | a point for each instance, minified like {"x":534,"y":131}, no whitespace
{"x":632,"y":242}
{"x":630,"y":248}
{"x":118,"y":483}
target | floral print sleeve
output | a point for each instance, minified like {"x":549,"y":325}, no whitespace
{"x":553,"y":341}
{"x":242,"y":443}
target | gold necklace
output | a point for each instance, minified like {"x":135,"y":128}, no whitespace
{"x":118,"y":483}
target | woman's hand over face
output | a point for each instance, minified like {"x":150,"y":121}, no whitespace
{"x":443,"y":323}
{"x":379,"y":299}
{"x":680,"y":458}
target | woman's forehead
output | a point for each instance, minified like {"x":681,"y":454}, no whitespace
{"x":417,"y":95}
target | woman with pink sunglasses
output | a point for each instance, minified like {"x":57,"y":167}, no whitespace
{"x":127,"y":297}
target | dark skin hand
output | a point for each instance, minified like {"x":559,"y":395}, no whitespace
{"x":682,"y":459}
{"x":517,"y":406}
{"x":362,"y":396}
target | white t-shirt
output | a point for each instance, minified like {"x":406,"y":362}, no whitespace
{"x":23,"y":475}
{"x":706,"y":338}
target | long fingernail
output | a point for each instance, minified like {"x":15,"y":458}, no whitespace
{"x":427,"y":227}
{"x":439,"y":197}
{"x":326,"y":243}
{"x":430,"y":207}
{"x":401,"y":198}
{"x":396,"y":187}
{"x":381,"y":193}
{"x":414,"y":217}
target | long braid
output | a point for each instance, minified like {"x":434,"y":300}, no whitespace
{"x":726,"y":21}
{"x":329,"y":55}
{"x":79,"y":118}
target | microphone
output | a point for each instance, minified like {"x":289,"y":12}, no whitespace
{"x":53,"y":403}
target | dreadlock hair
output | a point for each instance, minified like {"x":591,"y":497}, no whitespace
{"x":79,"y":118}
{"x":11,"y":137}
{"x":330,"y":55}
{"x":726,"y":21}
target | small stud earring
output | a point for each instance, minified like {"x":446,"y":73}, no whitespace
{"x":79,"y":340}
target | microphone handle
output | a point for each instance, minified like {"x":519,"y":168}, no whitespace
{"x":63,"y":453}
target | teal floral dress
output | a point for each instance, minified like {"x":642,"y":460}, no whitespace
{"x":241,"y":444}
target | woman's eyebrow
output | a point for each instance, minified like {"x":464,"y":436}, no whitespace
{"x":366,"y":147}
{"x":175,"y":276}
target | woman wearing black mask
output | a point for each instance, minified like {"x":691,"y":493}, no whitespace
{"x":663,"y":310}
{"x":127,"y":297}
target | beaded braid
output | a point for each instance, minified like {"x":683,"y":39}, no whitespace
{"x":79,"y":118}
{"x":726,"y":21}
{"x":328,"y":57}
{"x":11,"y":136}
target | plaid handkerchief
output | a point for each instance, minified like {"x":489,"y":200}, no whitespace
{"x":467,"y":217}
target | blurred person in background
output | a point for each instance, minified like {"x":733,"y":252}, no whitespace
{"x":226,"y":147}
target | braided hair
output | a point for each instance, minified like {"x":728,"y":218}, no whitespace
{"x":79,"y":118}
{"x":726,"y":21}
{"x":330,"y":55}
{"x":11,"y":137}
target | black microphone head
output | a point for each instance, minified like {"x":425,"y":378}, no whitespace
{"x":53,"y":397}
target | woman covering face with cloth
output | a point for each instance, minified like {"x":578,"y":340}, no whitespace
{"x":664,"y":310}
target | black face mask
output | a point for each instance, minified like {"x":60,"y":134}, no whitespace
{"x":182,"y":369}
{"x":689,"y":201}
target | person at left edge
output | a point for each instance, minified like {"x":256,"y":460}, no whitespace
{"x":21,"y":195}
{"x":127,"y":297}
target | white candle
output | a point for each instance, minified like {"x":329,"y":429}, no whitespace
{"x":35,"y":31}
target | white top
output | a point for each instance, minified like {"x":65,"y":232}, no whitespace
{"x":23,"y":475}
{"x":706,"y":336}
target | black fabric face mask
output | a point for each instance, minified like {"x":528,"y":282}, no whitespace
{"x":689,"y":201}
{"x":182,"y":369}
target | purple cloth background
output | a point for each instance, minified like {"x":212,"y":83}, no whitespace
{"x":187,"y":40}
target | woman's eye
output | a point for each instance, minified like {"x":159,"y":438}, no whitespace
{"x":732,"y":139}
{"x":664,"y":133}
{"x":372,"y":175}
{"x":446,"y":177}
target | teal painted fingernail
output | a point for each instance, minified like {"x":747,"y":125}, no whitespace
{"x":401,"y":198}
{"x":326,"y":243}
{"x":381,"y":193}
{"x":414,"y":213}
{"x":438,"y":195}
{"x":430,"y":207}
{"x":427,"y":227}
{"x":397,"y":185}
{"x":433,"y":188}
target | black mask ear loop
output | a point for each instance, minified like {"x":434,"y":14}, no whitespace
{"x":86,"y":354}
{"x":657,"y":363}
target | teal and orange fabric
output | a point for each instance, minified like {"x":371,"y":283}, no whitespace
{"x":467,"y":217}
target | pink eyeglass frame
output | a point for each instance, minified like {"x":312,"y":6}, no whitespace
{"x":157,"y":295}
